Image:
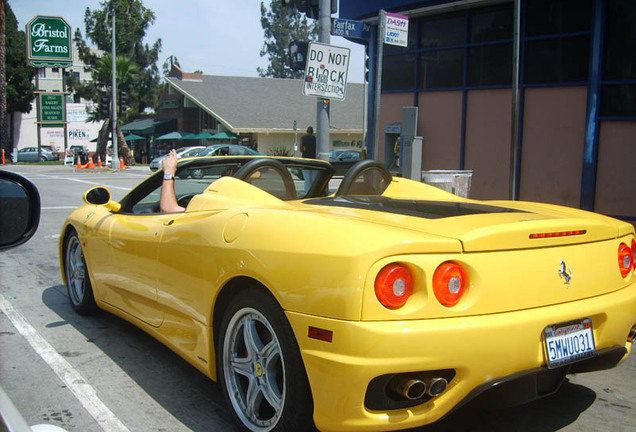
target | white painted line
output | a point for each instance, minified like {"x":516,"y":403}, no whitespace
{"x":82,"y":390}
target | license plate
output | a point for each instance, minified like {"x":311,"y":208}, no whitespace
{"x":569,"y":342}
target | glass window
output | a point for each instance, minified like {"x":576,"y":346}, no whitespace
{"x":620,"y":41}
{"x":441,"y":68}
{"x":558,"y":16}
{"x":490,"y":65}
{"x":558,"y":60}
{"x":398,"y":72}
{"x":618,"y":100}
{"x":442,"y":30}
{"x":490,"y":24}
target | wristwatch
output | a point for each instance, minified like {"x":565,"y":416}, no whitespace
{"x":168,"y":176}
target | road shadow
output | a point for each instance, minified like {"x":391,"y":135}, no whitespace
{"x":197,"y":402}
{"x":188,"y":395}
{"x":548,"y":414}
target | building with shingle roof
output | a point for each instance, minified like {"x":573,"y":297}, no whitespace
{"x":261,"y":110}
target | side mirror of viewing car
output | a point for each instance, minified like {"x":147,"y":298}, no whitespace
{"x":19,"y":209}
{"x":101,"y":196}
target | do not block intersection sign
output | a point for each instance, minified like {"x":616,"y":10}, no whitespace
{"x":326,"y":71}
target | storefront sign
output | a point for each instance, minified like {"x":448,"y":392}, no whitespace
{"x":52,"y":108}
{"x":49,"y":42}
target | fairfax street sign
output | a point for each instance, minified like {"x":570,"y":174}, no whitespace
{"x":350,"y":29}
{"x":326,"y":71}
{"x":49,"y":42}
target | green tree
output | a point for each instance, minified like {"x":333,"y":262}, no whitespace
{"x":283,"y":25}
{"x":16,"y":76}
{"x":139,"y":74}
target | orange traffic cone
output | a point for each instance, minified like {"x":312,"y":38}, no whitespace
{"x":122,"y":165}
{"x":99,"y":161}
{"x":91,"y":164}
{"x":79,"y":163}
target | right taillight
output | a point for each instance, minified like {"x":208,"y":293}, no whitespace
{"x":450,"y":282}
{"x":625,"y":259}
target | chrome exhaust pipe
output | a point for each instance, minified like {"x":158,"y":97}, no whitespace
{"x":436,"y":386}
{"x":411,"y":389}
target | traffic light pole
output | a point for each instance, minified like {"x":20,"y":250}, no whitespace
{"x":114,"y":100}
{"x":322,"y":106}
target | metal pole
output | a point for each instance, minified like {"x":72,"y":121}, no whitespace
{"x":378,"y":85}
{"x":514,"y":140}
{"x":322,"y":105}
{"x":116,"y":164}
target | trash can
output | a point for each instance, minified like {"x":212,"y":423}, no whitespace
{"x":453,"y":181}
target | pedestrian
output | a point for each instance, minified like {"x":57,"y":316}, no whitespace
{"x":308,"y":144}
{"x":308,"y":148}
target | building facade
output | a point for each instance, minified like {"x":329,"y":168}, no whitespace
{"x":571,"y":138}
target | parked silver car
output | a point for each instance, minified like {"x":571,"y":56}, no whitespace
{"x":182,"y":152}
{"x":30,"y":154}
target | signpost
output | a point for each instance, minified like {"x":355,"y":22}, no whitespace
{"x":350,"y":29}
{"x":52,"y":112}
{"x":396,"y":29}
{"x":49,"y":42}
{"x":326,"y":71}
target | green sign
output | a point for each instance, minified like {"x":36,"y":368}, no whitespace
{"x":49,"y":42}
{"x":52,"y":108}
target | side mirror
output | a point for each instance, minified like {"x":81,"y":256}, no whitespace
{"x":101,"y":196}
{"x":19,"y":209}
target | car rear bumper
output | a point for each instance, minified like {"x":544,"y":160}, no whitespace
{"x":482,"y":351}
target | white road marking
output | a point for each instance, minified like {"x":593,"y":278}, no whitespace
{"x":82,"y":390}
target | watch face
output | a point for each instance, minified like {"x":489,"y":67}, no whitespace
{"x":168,"y":177}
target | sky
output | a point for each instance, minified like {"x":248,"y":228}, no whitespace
{"x":219,"y":37}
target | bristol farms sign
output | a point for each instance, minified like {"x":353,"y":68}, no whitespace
{"x":49,"y":42}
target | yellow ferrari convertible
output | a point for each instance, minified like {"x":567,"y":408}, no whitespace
{"x":384,"y":305}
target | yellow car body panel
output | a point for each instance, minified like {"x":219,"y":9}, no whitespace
{"x":319,"y":259}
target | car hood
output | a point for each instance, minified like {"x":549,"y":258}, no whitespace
{"x":479,"y":226}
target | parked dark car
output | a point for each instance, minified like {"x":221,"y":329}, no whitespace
{"x":81,"y":152}
{"x":342,"y":160}
{"x":30,"y":154}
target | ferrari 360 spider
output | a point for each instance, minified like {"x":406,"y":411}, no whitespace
{"x":384,"y":304}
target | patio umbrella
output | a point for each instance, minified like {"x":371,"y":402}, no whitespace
{"x":133,"y":137}
{"x":200,"y":135}
{"x":224,"y":136}
{"x":176,"y":135}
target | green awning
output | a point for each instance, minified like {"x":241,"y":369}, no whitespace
{"x":150,"y":126}
{"x":224,"y":136}
{"x":133,"y":137}
{"x":200,"y":135}
{"x":176,"y":135}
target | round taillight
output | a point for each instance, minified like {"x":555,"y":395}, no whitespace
{"x":625,"y":259}
{"x":634,"y":254}
{"x":450,"y":281}
{"x":394,"y":285}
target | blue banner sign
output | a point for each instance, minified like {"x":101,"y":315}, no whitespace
{"x":350,"y":28}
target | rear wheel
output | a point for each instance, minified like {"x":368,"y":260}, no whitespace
{"x":78,"y":284}
{"x":260,"y":368}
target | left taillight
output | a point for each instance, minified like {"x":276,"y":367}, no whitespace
{"x":625,"y":258}
{"x":450,"y":282}
{"x":394,"y":285}
{"x":634,"y":255}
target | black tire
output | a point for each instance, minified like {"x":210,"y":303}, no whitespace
{"x":78,"y":283}
{"x":257,"y":356}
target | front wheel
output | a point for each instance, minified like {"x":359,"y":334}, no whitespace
{"x":260,"y":368}
{"x":78,"y":284}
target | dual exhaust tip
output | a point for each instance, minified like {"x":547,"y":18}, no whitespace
{"x":415,"y":388}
